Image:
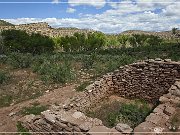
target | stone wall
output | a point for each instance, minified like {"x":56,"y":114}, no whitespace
{"x":149,"y":80}
{"x":146,"y":80}
{"x":44,"y":29}
{"x":160,"y":119}
{"x":65,"y":122}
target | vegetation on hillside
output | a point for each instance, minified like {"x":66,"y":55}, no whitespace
{"x":20,"y":41}
{"x":4,"y":23}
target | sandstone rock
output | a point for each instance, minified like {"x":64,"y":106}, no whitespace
{"x":124,"y":128}
{"x":78,"y":115}
{"x":157,"y":119}
{"x":113,"y":131}
{"x":144,"y":127}
{"x":86,"y":126}
{"x":169,"y":110}
{"x":11,"y":114}
{"x":163,"y":99}
{"x":28,"y":118}
{"x":167,"y":60}
{"x":177,"y":83}
{"x":99,"y":130}
{"x":158,"y":59}
{"x":49,"y":116}
{"x":97,"y":122}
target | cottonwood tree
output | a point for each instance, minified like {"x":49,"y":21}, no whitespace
{"x":176,"y":35}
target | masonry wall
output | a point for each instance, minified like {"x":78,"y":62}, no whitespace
{"x":149,"y":80}
{"x":146,"y":80}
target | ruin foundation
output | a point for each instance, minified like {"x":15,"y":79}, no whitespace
{"x":151,"y":80}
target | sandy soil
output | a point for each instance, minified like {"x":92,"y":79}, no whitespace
{"x":57,"y":96}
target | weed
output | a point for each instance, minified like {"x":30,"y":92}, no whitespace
{"x":115,"y":112}
{"x":21,"y":130}
{"x":4,"y":76}
{"x":82,"y":86}
{"x":19,"y":60}
{"x":35,"y":109}
{"x":55,"y":72}
{"x":5,"y":100}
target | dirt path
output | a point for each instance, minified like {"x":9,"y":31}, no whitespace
{"x":57,"y":96}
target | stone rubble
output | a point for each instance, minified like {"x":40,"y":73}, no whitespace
{"x":124,"y":128}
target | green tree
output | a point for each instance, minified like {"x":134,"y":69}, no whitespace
{"x":174,"y":31}
{"x":95,"y":41}
{"x":176,"y":35}
{"x":123,"y":39}
{"x":20,"y":41}
{"x":132,"y":41}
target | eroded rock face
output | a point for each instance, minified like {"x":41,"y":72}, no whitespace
{"x":44,"y":29}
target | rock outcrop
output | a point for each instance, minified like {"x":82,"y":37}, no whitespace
{"x":44,"y":29}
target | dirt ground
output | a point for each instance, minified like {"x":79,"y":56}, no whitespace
{"x":8,"y":123}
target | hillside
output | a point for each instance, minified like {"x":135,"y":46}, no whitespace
{"x":163,"y":34}
{"x":4,"y":23}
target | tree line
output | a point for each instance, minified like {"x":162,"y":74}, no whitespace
{"x":20,"y":41}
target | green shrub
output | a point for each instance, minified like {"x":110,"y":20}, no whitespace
{"x":20,"y":41}
{"x":36,"y":109}
{"x":89,"y":60}
{"x":133,"y":113}
{"x":5,"y":100}
{"x":55,"y":72}
{"x":82,"y":86}
{"x":117,"y":112}
{"x":19,"y":60}
{"x":21,"y":130}
{"x":3,"y":76}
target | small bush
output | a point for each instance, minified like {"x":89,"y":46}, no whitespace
{"x":5,"y":100}
{"x":20,"y":41}
{"x":19,"y":60}
{"x":133,"y":114}
{"x":36,"y":109}
{"x":21,"y":130}
{"x":82,"y":86}
{"x":55,"y":72}
{"x":3,"y":77}
{"x":88,"y":61}
{"x":116,"y":112}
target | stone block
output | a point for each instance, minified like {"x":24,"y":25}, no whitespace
{"x":99,"y":130}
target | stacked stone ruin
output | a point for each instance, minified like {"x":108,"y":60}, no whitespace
{"x":44,"y":29}
{"x":148,"y":80}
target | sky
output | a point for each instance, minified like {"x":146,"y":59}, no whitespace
{"x":108,"y":16}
